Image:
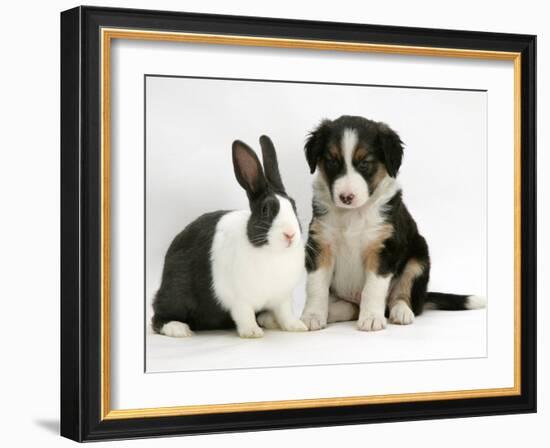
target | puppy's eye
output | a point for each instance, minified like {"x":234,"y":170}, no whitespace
{"x":331,"y":164}
{"x":266,"y":210}
{"x":364,"y":164}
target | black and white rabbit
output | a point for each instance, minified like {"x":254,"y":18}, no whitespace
{"x":227,"y":266}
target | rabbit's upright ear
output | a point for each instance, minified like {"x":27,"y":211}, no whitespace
{"x":248,"y":169}
{"x":271,"y":166}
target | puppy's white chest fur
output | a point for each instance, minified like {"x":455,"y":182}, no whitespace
{"x":350,"y":233}
{"x":359,"y":230}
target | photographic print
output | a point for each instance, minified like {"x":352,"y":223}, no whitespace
{"x":331,"y":222}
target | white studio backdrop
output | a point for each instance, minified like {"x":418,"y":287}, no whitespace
{"x":37,"y":192}
{"x":190,"y":125}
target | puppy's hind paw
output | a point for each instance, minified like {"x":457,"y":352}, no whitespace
{"x":314,"y":321}
{"x":296,"y":325}
{"x":401,"y":314}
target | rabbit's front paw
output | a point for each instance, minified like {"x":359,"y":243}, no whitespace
{"x":314,"y":321}
{"x":267,"y":320}
{"x":250,"y":332}
{"x":295,"y":325}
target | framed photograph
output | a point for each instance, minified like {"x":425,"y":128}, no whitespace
{"x":272,"y":223}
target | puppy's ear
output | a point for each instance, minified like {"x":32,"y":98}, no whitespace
{"x":391,"y":148}
{"x":315,"y":144}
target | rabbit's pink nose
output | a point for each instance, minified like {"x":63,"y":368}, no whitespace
{"x":289,"y":236}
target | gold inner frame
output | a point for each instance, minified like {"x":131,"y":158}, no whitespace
{"x":107,"y":35}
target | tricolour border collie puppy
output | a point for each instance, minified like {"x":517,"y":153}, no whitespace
{"x":365,"y":258}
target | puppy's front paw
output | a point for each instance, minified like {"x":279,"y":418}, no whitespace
{"x":401,"y":314}
{"x":250,"y":332}
{"x":295,"y":325}
{"x":371,"y":322}
{"x":314,"y":321}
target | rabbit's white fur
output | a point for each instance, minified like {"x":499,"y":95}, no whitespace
{"x":248,"y":279}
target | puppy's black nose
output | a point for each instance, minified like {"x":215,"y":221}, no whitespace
{"x":347,"y":198}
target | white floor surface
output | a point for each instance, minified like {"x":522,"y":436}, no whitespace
{"x":433,"y":335}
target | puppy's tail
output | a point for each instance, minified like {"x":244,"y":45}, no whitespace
{"x":453,"y":302}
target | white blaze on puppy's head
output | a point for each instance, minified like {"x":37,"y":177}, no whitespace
{"x":350,"y":190}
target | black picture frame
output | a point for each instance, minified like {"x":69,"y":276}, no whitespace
{"x":81,"y":224}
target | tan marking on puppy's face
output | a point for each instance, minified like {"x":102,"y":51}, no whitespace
{"x":371,"y":254}
{"x":380,"y":174}
{"x":402,"y":286}
{"x":335,"y":152}
{"x":360,"y":153}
